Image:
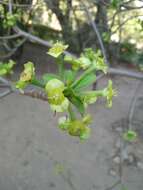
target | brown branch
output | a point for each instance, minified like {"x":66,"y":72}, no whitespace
{"x":36,"y":39}
{"x":35,"y":94}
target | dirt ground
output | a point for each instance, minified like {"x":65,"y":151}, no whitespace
{"x":36,"y":155}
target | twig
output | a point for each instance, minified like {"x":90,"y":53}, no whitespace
{"x":132,"y":105}
{"x":123,"y":72}
{"x":36,"y":39}
{"x":10,"y":37}
{"x":12,"y":52}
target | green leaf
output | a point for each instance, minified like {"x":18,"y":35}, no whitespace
{"x":75,"y":100}
{"x":130,"y":135}
{"x":78,"y":104}
{"x":48,"y":76}
{"x":69,"y":76}
{"x":85,"y":81}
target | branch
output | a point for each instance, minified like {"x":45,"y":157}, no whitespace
{"x":10,"y":37}
{"x":132,"y":105}
{"x":35,"y":39}
{"x":12,"y":52}
{"x":123,"y":72}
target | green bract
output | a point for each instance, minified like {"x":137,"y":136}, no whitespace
{"x":6,"y":68}
{"x":54,"y":89}
{"x":57,"y":49}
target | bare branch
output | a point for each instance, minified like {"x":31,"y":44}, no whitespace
{"x":12,"y":52}
{"x":35,"y":39}
{"x":10,"y":37}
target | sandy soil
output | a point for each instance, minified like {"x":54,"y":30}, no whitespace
{"x":36,"y":155}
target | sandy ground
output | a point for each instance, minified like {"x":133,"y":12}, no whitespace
{"x":36,"y":155}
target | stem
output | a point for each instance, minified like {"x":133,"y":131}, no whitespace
{"x":71,"y":113}
{"x":98,"y":93}
{"x":60,"y":63}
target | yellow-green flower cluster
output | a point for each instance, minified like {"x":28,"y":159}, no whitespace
{"x":90,"y":97}
{"x":57,"y":49}
{"x":26,"y":76}
{"x":109,"y":92}
{"x":76,"y":127}
{"x":87,"y":59}
{"x":54,"y":89}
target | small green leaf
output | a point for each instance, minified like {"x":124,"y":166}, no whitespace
{"x":85,"y":82}
{"x":69,"y":76}
{"x":130,"y":135}
{"x":48,"y":76}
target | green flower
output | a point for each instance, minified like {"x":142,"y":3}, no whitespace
{"x":100,"y":64}
{"x":89,"y":98}
{"x":90,"y":57}
{"x":63,"y":123}
{"x":79,"y":128}
{"x":6,"y":68}
{"x":76,"y":127}
{"x":28,"y":73}
{"x":85,"y":62}
{"x":85,"y":134}
{"x":57,"y":49}
{"x":109,"y":92}
{"x":54,"y":89}
{"x":26,"y":76}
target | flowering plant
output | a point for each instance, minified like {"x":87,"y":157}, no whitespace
{"x":67,"y":90}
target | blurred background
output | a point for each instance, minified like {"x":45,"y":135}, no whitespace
{"x":34,"y":153}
